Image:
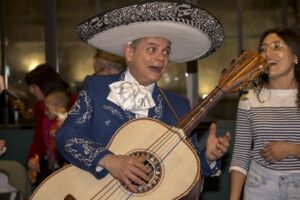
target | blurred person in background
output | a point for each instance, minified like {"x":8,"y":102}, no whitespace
{"x":2,"y":142}
{"x":41,"y":81}
{"x":105,"y":63}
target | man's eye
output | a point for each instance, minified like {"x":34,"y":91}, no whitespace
{"x":166,"y":52}
{"x":151,"y":49}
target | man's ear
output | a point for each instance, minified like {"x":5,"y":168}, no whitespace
{"x":128,"y":52}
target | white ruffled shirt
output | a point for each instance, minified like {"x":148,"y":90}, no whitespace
{"x":131,"y":96}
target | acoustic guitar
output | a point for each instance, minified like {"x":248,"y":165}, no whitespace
{"x":174,"y":164}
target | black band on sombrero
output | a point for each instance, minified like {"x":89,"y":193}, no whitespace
{"x":193,"y":32}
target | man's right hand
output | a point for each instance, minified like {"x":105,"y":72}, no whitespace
{"x":127,"y":169}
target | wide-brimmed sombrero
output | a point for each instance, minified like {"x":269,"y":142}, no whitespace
{"x":193,"y":32}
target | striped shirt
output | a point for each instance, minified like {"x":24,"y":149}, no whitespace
{"x":275,"y":118}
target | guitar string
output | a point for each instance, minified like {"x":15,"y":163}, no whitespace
{"x":107,"y":186}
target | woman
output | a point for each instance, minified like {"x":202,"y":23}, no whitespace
{"x":42,"y":80}
{"x":266,"y":154}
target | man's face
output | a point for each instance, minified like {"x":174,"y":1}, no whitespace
{"x":147,"y":59}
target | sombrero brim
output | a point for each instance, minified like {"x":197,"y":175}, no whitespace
{"x":193,"y":32}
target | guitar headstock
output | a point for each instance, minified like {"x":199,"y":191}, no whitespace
{"x":241,"y":71}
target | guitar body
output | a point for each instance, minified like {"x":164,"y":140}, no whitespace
{"x":177,"y":172}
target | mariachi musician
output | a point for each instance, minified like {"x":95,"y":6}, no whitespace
{"x":149,"y":35}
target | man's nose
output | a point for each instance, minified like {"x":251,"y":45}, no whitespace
{"x":160,"y":56}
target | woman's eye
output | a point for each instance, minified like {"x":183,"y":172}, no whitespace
{"x":277,"y":46}
{"x":262,"y":49}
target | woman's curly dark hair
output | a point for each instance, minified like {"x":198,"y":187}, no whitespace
{"x":292,"y":39}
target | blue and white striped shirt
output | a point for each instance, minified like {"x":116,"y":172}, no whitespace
{"x":276,"y":118}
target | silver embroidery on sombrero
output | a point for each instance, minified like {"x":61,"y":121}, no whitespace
{"x":86,"y":110}
{"x":90,"y":153}
{"x":180,"y":13}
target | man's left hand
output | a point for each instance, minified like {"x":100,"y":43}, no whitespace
{"x":216,"y":147}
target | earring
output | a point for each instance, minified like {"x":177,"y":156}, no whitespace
{"x":296,"y":61}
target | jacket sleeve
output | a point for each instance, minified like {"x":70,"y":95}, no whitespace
{"x":74,"y":140}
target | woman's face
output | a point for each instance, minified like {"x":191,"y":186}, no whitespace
{"x":36,"y":91}
{"x":280,"y":58}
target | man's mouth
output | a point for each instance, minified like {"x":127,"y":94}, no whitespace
{"x":156,"y":69}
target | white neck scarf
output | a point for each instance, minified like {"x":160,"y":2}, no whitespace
{"x":131,"y":96}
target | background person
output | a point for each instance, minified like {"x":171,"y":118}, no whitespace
{"x":56,"y":108}
{"x":2,"y":142}
{"x":105,"y":63}
{"x":266,"y":154}
{"x":41,"y":81}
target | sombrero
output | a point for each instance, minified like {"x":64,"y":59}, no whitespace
{"x":193,"y":32}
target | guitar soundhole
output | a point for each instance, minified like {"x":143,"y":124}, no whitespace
{"x":155,"y":171}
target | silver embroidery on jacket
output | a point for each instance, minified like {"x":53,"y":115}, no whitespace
{"x":90,"y":153}
{"x":159,"y":109}
{"x":113,"y":111}
{"x":88,"y":107}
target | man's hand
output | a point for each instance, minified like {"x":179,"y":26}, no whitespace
{"x":277,"y":151}
{"x":127,"y":169}
{"x":216,"y":147}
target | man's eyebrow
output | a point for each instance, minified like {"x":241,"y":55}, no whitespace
{"x":155,"y":44}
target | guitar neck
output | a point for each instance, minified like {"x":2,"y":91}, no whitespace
{"x":194,"y":117}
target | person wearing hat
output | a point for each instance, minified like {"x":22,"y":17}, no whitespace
{"x":105,"y":63}
{"x":149,"y":35}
